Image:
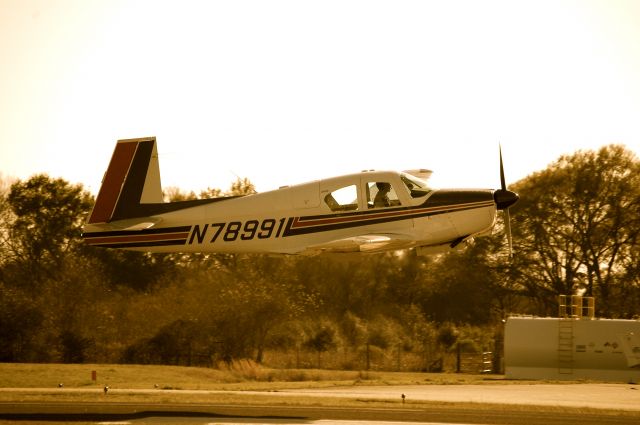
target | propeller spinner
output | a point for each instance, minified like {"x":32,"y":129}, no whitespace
{"x":504,"y":199}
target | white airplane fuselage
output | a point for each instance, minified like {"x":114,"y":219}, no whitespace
{"x":338,"y":214}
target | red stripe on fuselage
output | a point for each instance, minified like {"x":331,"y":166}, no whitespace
{"x":302,"y":222}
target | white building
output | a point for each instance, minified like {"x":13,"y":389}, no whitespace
{"x":573,"y":346}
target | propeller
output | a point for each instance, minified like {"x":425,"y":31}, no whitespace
{"x":504,"y":199}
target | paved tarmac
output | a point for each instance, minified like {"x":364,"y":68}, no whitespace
{"x":139,"y":413}
{"x":594,"y":396}
{"x":543,"y":404}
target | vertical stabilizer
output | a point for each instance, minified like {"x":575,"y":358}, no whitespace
{"x":133,"y":178}
{"x":152,"y":190}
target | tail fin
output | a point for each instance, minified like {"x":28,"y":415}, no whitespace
{"x":132,"y":179}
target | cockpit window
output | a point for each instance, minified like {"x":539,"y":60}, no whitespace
{"x":417,"y":187}
{"x":343,"y":199}
{"x":381,"y":194}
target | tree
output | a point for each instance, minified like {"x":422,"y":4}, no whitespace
{"x":255,"y":296}
{"x":457,"y":289}
{"x":322,"y":339}
{"x":241,"y":187}
{"x":20,"y":320}
{"x":6,"y":218}
{"x":141,"y":271}
{"x":576,"y":227}
{"x":47,"y":217}
{"x":175,"y":194}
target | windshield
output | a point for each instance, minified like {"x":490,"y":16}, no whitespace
{"x":416,"y":186}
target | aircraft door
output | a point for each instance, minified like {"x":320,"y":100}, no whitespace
{"x":381,"y":193}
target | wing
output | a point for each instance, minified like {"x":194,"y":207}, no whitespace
{"x":363,"y":243}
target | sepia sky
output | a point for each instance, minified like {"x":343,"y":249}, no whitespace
{"x":284,"y":92}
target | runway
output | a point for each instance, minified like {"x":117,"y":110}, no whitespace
{"x":207,"y":414}
{"x":495,"y":404}
{"x":593,"y":396}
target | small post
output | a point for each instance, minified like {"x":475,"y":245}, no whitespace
{"x":94,"y":375}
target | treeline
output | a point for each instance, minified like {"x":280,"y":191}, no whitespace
{"x":576,"y":229}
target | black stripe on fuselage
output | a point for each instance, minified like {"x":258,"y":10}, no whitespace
{"x":143,"y":244}
{"x":138,"y":232}
{"x":457,"y":196}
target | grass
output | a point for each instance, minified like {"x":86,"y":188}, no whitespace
{"x":240,"y":376}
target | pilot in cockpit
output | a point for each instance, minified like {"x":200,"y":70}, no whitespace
{"x":382,"y":199}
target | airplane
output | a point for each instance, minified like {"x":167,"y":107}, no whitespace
{"x":366,"y":212}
